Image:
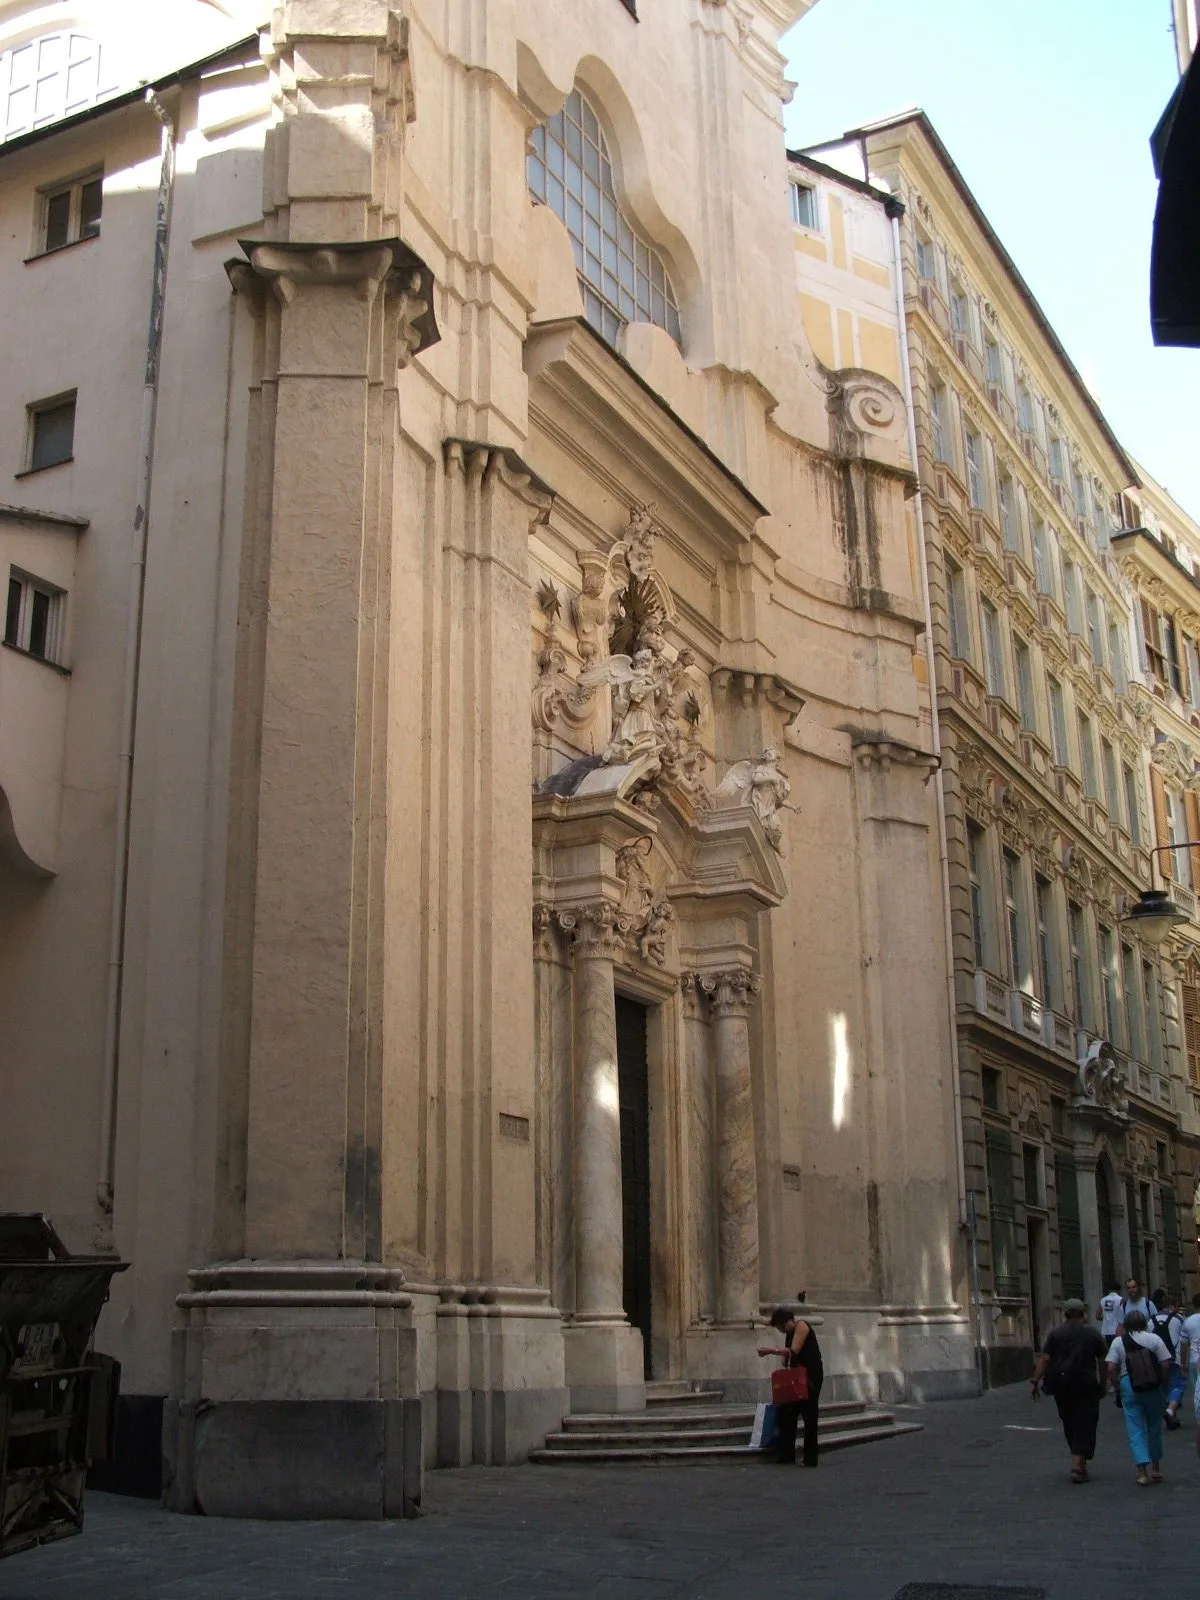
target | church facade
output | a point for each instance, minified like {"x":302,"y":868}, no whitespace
{"x":471,"y":900}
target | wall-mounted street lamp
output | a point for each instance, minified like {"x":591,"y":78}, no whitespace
{"x":1155,"y":913}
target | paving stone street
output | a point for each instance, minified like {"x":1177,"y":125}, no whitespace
{"x":979,"y":1502}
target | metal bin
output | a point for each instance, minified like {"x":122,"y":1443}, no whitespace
{"x":57,"y":1396}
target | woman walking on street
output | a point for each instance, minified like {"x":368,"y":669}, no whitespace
{"x":800,"y":1350}
{"x":1140,"y":1363}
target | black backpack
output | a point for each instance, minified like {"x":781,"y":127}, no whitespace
{"x":1142,"y":1365}
{"x":1072,"y":1371}
{"x":1161,"y":1325}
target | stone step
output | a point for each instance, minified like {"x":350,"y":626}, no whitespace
{"x":684,"y":1454}
{"x":682,"y":1393}
{"x":691,"y":1438}
{"x":709,"y":1417}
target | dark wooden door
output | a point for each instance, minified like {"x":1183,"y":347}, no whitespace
{"x":634,"y":1095}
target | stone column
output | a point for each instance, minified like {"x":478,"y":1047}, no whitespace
{"x":598,"y":934}
{"x":699,"y":1150}
{"x":1089,"y":1227}
{"x":731,"y":995}
{"x":604,"y":1357}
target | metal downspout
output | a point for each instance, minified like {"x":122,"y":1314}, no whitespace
{"x":133,"y":658}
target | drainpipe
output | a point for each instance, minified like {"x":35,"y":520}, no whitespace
{"x":133,"y":658}
{"x":966,"y":1217}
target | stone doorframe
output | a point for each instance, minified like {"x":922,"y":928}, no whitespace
{"x":663,"y":904}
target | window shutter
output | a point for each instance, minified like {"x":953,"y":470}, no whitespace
{"x":1070,"y":1242}
{"x":1191,"y":806}
{"x":1171,"y":1250}
{"x":1162,"y":828}
{"x":1002,"y":1213}
{"x":1191,"y":1030}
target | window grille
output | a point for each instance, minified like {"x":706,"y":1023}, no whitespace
{"x":1002,"y":1213}
{"x":622,"y":278}
{"x":1070,"y":1241}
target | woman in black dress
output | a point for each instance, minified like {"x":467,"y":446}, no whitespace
{"x":801,"y":1349}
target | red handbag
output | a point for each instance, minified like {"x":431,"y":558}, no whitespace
{"x":789,"y":1385}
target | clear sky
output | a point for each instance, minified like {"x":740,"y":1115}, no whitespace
{"x":1047,"y":107}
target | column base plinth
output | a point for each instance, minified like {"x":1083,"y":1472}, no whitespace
{"x":605,"y":1367}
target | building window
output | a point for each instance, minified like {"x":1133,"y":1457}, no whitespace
{"x":33,"y":618}
{"x":1018,"y":953}
{"x":1151,"y":1013}
{"x":1041,"y":558}
{"x":1025,"y":696}
{"x":1191,"y":1030}
{"x":1087,"y":753}
{"x":1108,"y":767}
{"x":1156,"y":661}
{"x":975,"y":878}
{"x":1025,"y":409}
{"x":1080,"y":494}
{"x":805,"y":213}
{"x":1095,"y":628}
{"x":51,"y":432}
{"x":50,"y":77}
{"x":1077,"y":936}
{"x":960,"y":311}
{"x":991,"y":1088}
{"x":973,"y":446}
{"x":1058,"y":722}
{"x":1010,"y":522}
{"x":1031,"y":1170}
{"x":939,"y":413}
{"x":1131,"y":982}
{"x":1133,"y":815}
{"x":993,"y":650}
{"x":1177,"y":829}
{"x":1160,"y":1158}
{"x":1116,"y":658}
{"x":991,"y":350}
{"x":1111,"y":985}
{"x":1174,"y":668}
{"x":926,"y":259}
{"x":70,"y":212}
{"x":1073,"y":597}
{"x":622,"y":278}
{"x":1002,"y":1212}
{"x":956,"y":605}
{"x":1057,"y":459}
{"x":1043,"y":907}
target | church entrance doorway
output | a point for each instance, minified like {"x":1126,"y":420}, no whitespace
{"x":633,"y":1081}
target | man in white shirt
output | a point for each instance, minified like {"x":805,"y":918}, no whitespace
{"x":1187,"y":1354}
{"x":1136,"y":1300}
{"x":1108,"y":1312}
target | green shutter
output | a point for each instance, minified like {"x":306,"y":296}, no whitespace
{"x":1136,"y":1264}
{"x":1171,"y":1250}
{"x":1002,"y":1213}
{"x":1070,"y":1241}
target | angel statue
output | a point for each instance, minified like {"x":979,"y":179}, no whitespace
{"x":760,"y":784}
{"x":634,"y":682}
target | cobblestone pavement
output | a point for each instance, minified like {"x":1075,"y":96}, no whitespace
{"x":981,"y":1500}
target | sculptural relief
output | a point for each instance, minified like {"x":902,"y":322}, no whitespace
{"x":761,"y":784}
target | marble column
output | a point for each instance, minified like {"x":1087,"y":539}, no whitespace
{"x":1089,"y":1227}
{"x":599,"y":932}
{"x":731,"y":995}
{"x":700,"y":1151}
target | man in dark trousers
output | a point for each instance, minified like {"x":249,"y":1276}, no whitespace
{"x":1071,"y":1368}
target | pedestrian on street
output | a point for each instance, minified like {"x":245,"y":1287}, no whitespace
{"x":1187,"y":1354}
{"x":1168,"y":1325}
{"x":1071,"y":1369}
{"x":800,"y":1349}
{"x":1108,"y":1312}
{"x":1136,"y":1299}
{"x":1139,"y":1362}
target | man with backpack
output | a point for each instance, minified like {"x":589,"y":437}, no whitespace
{"x":1071,"y":1369}
{"x":1168,"y":1325}
{"x":1139,"y":1362}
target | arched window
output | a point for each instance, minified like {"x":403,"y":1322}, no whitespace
{"x":48,"y":78}
{"x":623,"y":279}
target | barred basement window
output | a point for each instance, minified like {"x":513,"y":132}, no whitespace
{"x":622,"y":278}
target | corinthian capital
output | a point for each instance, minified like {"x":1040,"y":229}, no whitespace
{"x":599,"y":931}
{"x":730,"y":993}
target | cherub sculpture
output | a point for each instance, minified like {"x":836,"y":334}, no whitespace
{"x":761,"y":784}
{"x":634,"y":683}
{"x":653,"y":942}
